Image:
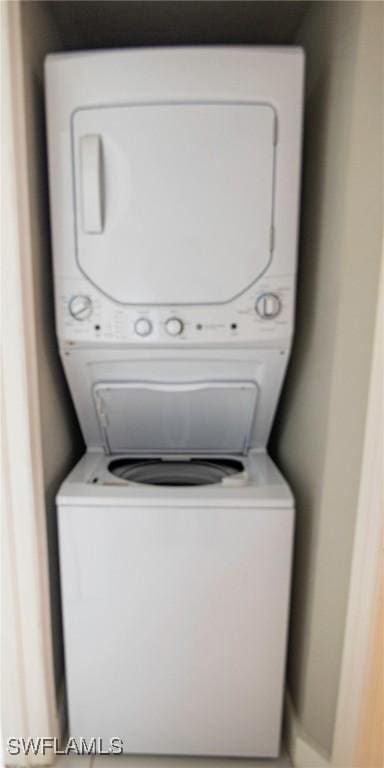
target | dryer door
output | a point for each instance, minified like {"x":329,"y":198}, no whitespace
{"x":174,"y":202}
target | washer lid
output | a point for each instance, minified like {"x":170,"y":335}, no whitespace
{"x":198,"y":417}
{"x":174,"y":202}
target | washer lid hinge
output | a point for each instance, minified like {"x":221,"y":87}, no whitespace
{"x":100,"y":405}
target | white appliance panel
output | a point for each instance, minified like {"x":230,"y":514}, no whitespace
{"x":86,"y":317}
{"x":91,"y":483}
{"x":180,"y":207}
{"x":265,"y":84}
{"x":175,"y":625}
{"x":188,"y":417}
{"x":263,"y":368}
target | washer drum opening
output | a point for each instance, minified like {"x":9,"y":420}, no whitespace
{"x":175,"y":472}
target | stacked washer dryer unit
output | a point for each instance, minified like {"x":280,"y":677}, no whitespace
{"x":174,"y":181}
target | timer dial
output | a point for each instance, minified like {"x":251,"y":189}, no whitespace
{"x":80,"y":307}
{"x":268,"y":306}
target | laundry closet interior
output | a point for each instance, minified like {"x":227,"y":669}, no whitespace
{"x":317,"y":434}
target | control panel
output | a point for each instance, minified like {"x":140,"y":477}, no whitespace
{"x":263,"y":313}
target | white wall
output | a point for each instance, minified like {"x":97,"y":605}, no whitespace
{"x":319,"y":431}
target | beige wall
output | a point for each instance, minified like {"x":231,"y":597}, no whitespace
{"x":61,"y":440}
{"x":320,"y":425}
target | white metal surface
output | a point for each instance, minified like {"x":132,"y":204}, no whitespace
{"x":174,"y":184}
{"x":262,"y":367}
{"x":175,"y":613}
{"x":187,"y":190}
{"x":199,"y":190}
{"x":203,"y":416}
{"x":91,"y":484}
{"x":103,"y":322}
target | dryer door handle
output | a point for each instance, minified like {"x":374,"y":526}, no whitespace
{"x":91,"y":183}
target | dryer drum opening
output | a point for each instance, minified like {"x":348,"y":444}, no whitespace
{"x":175,"y":472}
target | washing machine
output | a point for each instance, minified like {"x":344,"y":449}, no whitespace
{"x":174,"y":192}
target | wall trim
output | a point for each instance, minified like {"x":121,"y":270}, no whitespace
{"x":301,"y":750}
{"x":365,"y":572}
{"x":28,"y":686}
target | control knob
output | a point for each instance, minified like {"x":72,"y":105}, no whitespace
{"x":143,"y":326}
{"x":174,"y":326}
{"x":80,"y":307}
{"x":268,"y":306}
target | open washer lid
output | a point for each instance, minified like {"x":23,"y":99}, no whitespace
{"x":159,"y":418}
